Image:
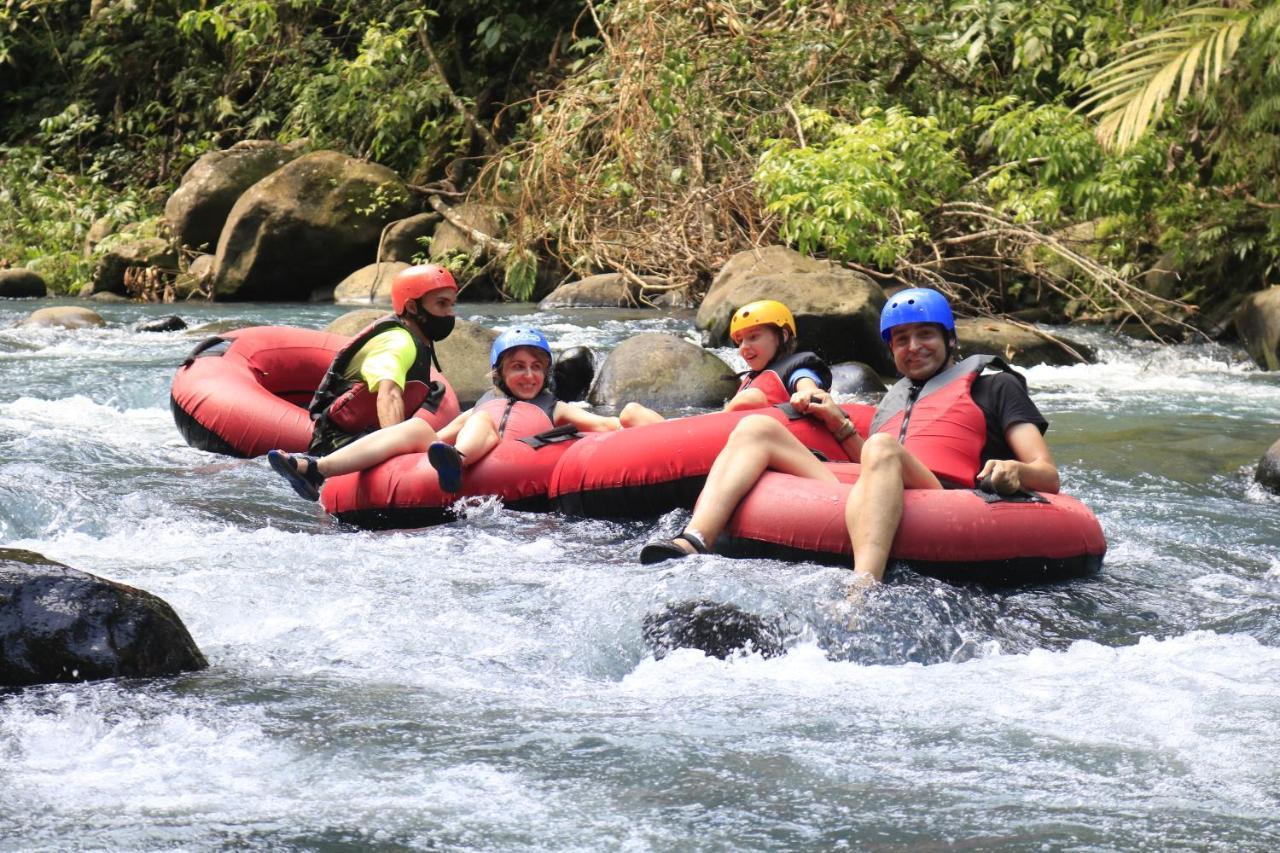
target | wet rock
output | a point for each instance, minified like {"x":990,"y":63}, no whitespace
{"x":663,"y":372}
{"x":719,"y":630}
{"x":608,"y":290}
{"x":108,"y":297}
{"x":574,"y":370}
{"x":58,"y":624}
{"x":198,"y":209}
{"x":305,"y":226}
{"x":464,"y":357}
{"x":21,"y":283}
{"x":837,"y":311}
{"x":370,"y":285}
{"x":172,"y":323}
{"x":1257,"y":321}
{"x":1014,"y":344}
{"x":64,"y":317}
{"x":404,"y":240}
{"x":1268,"y":473}
{"x":351,"y":323}
{"x":109,"y":273}
{"x":854,"y":377}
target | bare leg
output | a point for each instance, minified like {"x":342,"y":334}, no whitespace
{"x":756,"y":444}
{"x":479,"y":435}
{"x":874,"y":508}
{"x":634,"y":415}
{"x":411,"y":436}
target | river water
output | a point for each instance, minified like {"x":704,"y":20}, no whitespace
{"x":485,"y":684}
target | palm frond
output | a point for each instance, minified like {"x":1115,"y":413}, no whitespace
{"x":1191,"y":53}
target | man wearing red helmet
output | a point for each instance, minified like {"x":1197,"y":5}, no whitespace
{"x":390,"y":361}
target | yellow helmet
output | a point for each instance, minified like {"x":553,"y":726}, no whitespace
{"x":763,"y":312}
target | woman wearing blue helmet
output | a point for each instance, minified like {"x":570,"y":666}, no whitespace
{"x":943,"y":425}
{"x":519,"y":405}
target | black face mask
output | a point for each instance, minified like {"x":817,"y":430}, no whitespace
{"x":435,"y":328}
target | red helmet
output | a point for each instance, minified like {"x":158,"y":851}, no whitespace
{"x":415,"y":282}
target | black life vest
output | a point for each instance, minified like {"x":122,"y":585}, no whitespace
{"x":774,"y":379}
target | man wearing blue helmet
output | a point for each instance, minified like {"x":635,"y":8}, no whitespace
{"x":944,"y":424}
{"x":519,"y":405}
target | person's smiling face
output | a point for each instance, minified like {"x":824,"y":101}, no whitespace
{"x":919,"y":349}
{"x":758,"y":345}
{"x":524,"y":370}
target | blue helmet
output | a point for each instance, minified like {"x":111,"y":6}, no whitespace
{"x":916,"y":305}
{"x":517,"y":337}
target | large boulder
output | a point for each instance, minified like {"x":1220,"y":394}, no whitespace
{"x":404,"y":239}
{"x":665,"y":372}
{"x":21,"y":283}
{"x":1268,"y":473}
{"x":1015,"y":344}
{"x":1257,"y":321}
{"x":60,"y":624}
{"x":464,"y":357}
{"x":607,"y":290}
{"x":854,"y":377}
{"x":110,"y":275}
{"x":369,"y":285}
{"x":353,"y":322}
{"x":198,"y":209}
{"x":837,"y":310}
{"x":64,"y":317}
{"x":306,"y":226}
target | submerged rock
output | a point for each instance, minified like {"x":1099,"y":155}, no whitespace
{"x":65,"y":317}
{"x":60,"y":624}
{"x":712,"y":627}
{"x":1268,"y":473}
{"x":172,"y":323}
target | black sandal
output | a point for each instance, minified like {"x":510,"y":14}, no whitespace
{"x":306,"y":483}
{"x":666,"y":549}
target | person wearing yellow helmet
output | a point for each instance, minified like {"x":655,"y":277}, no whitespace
{"x":947,"y":423}
{"x":765,"y":334}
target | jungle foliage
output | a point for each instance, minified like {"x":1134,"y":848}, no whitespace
{"x":1003,"y":149}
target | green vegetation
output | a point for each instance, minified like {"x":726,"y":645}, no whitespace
{"x":1003,"y":149}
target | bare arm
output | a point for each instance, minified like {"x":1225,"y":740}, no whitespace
{"x":1032,"y":469}
{"x":821,"y":406}
{"x":390,"y":403}
{"x":567,"y":413}
{"x":752,"y":398}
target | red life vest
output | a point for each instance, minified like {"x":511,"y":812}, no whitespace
{"x":518,"y":419}
{"x":939,"y":422}
{"x":775,"y":377}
